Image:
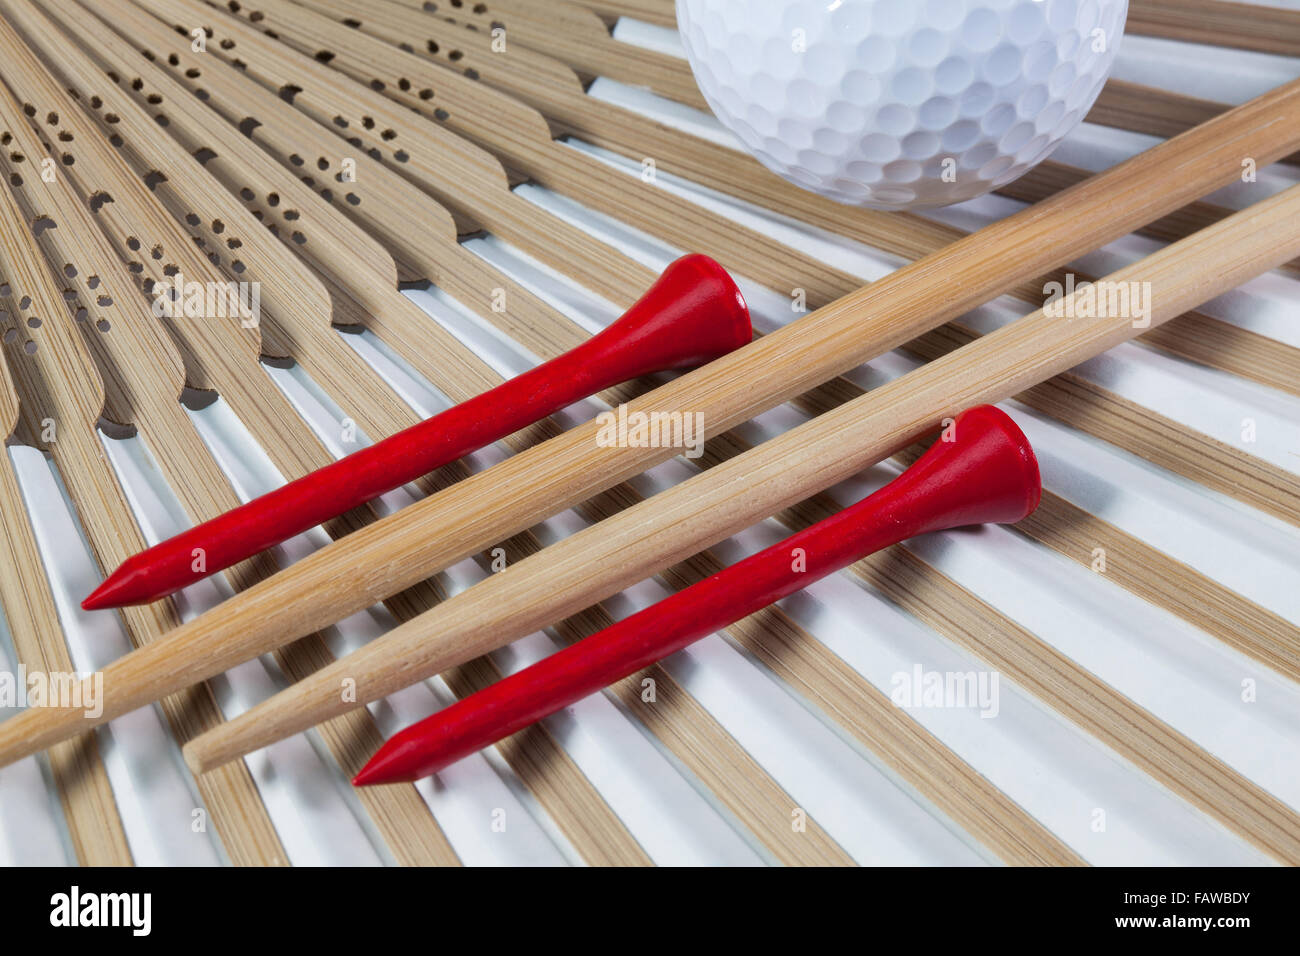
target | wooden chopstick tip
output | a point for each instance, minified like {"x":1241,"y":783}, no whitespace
{"x":197,"y":760}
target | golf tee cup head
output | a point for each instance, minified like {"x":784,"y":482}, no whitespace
{"x":901,"y":104}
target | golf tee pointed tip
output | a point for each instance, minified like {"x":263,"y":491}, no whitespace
{"x":390,"y":764}
{"x":125,"y":586}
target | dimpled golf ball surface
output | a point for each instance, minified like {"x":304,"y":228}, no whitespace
{"x":901,"y":104}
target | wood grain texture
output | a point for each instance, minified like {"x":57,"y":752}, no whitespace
{"x":658,"y":12}
{"x":1255,"y":26}
{"x":1049,"y":178}
{"x":131,"y":360}
{"x":57,"y":380}
{"x":94,"y":826}
{"x":571,"y":33}
{"x":1134,"y":733}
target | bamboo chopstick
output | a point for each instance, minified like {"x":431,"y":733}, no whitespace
{"x":1049,"y":178}
{"x":409,"y":545}
{"x":626,"y":548}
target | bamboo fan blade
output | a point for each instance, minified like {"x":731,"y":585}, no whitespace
{"x":94,"y":825}
{"x":580,"y":38}
{"x":184,"y":460}
{"x":658,"y":12}
{"x":401,"y":217}
{"x":58,"y":382}
{"x":452,"y":167}
{"x":33,"y":815}
{"x":1264,"y":28}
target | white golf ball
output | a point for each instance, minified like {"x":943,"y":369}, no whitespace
{"x":901,"y":104}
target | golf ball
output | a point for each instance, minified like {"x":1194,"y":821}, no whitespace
{"x":901,"y":104}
